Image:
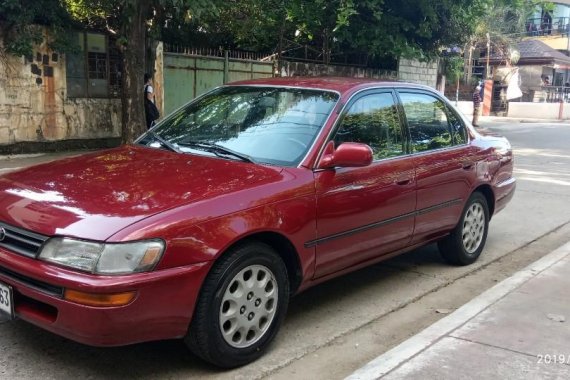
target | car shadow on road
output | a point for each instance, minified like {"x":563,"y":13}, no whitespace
{"x":63,"y":358}
{"x":334,"y":291}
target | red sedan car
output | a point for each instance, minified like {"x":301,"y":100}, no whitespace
{"x":251,"y":193}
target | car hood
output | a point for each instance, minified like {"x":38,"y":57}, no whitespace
{"x":95,"y":195}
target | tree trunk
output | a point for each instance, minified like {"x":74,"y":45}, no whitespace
{"x":281,"y":36}
{"x":133,"y":122}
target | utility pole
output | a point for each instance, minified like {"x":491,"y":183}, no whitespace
{"x":470,"y":64}
{"x":487,"y":72}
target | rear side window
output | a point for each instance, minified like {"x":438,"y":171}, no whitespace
{"x":373,"y":120}
{"x":427,"y":121}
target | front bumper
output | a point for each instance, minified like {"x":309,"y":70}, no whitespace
{"x":162,"y":308}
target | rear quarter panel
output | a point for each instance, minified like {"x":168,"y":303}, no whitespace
{"x":497,"y":168}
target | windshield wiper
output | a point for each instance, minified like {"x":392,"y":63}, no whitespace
{"x":218,"y":150}
{"x":163,"y":142}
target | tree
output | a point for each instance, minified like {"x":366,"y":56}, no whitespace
{"x":454,"y":69}
{"x":21,"y":24}
{"x":501,"y":26}
{"x":132,"y":21}
{"x":409,"y":28}
{"x":379,"y":28}
{"x":245,"y":24}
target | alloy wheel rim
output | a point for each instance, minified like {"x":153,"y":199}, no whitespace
{"x":473,"y":228}
{"x":248,"y":306}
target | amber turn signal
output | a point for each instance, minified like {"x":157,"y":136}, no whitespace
{"x":101,"y":300}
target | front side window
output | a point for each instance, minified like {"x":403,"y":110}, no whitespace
{"x":427,"y":121}
{"x":373,"y":120}
{"x":267,"y":124}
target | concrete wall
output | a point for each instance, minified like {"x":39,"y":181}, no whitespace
{"x":538,"y":110}
{"x":34,"y":106}
{"x":524,"y":110}
{"x":418,"y":72}
{"x":291,"y":69}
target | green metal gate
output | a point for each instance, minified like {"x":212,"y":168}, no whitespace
{"x":188,"y":76}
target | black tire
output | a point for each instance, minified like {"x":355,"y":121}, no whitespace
{"x":457,"y":250}
{"x":205,"y":336}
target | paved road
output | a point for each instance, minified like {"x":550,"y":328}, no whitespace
{"x":334,"y":328}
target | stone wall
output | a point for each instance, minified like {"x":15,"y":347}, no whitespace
{"x":34,"y":106}
{"x":410,"y":70}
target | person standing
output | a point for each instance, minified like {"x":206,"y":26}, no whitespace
{"x":150,"y":110}
{"x":476,"y":106}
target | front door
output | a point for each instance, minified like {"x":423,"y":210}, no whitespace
{"x":365,"y":212}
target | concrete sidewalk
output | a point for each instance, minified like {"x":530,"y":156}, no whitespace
{"x":519,"y":329}
{"x":525,"y":120}
{"x":10,"y":163}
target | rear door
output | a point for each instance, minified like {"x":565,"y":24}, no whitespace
{"x":443,"y":162}
{"x":365,"y":212}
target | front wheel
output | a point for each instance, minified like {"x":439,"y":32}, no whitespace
{"x":241,"y":306}
{"x":467,"y":240}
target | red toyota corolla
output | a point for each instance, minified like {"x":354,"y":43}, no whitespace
{"x":206,"y":226}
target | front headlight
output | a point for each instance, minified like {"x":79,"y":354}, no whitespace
{"x":103,"y":258}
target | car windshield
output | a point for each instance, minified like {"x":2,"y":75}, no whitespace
{"x":270,"y":125}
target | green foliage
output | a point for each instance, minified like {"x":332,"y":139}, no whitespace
{"x":380,"y":28}
{"x":411,"y":28}
{"x":20,"y":22}
{"x":116,"y":16}
{"x":417,"y":28}
{"x":504,"y":23}
{"x":454,"y":68}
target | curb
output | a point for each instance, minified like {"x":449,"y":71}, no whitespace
{"x":520,"y":120}
{"x":9,"y":157}
{"x":397,"y":356}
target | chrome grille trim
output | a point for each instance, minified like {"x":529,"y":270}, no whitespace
{"x":32,"y":283}
{"x":20,"y":241}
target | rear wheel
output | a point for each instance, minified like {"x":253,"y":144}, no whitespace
{"x":466,"y":242}
{"x":240,"y":309}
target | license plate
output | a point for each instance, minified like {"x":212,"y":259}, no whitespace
{"x":6,"y":301}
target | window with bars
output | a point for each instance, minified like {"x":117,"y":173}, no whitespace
{"x":95,"y":70}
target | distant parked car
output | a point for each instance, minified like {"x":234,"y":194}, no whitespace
{"x":256,"y":191}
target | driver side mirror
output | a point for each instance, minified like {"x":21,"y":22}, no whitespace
{"x":347,"y":155}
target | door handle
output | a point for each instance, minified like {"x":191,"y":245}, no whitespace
{"x":467,"y":165}
{"x":403,"y":181}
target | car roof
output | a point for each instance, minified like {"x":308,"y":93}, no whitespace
{"x":339,"y":84}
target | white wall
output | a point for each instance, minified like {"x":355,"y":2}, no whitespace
{"x":465,"y":107}
{"x":524,"y":110}
{"x":538,"y":110}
